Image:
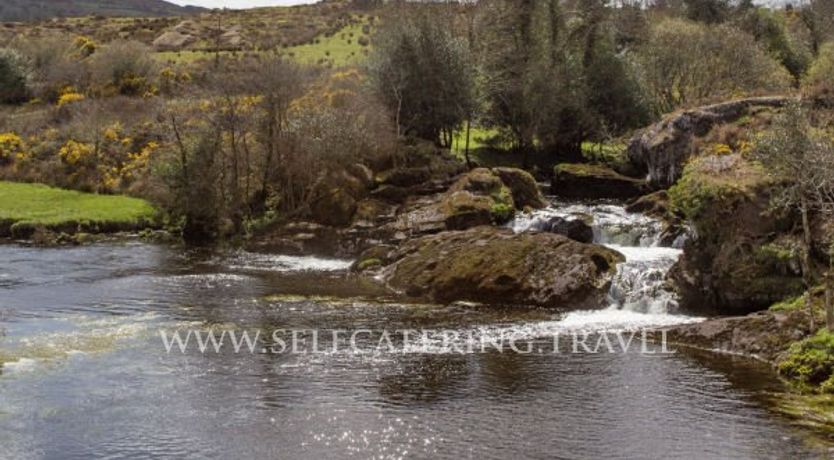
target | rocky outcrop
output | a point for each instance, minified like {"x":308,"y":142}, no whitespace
{"x":173,"y":41}
{"x":336,"y":197}
{"x":742,"y":257}
{"x":661,"y":150}
{"x":496,"y":266}
{"x":574,"y":180}
{"x":479,"y":197}
{"x":765,"y":335}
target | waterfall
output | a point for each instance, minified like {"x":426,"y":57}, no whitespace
{"x":640,"y":283}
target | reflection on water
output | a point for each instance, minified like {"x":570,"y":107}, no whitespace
{"x":85,"y":373}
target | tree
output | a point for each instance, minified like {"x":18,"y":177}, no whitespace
{"x":708,"y":11}
{"x":423,"y":73}
{"x":685,"y":62}
{"x":818,"y":16}
{"x":819,"y":81}
{"x":533,"y":80}
{"x":801,"y":160}
{"x":768,"y":28}
{"x":14,"y":77}
{"x":614,"y":97}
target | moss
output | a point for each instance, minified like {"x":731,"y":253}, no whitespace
{"x":715,"y":181}
{"x":368,"y":263}
{"x":502,"y":212}
{"x":584,"y":170}
{"x":791,"y":304}
{"x":810,"y":363}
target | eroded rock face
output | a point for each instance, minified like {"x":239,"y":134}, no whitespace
{"x":574,"y":180}
{"x":661,"y":150}
{"x":740,"y":259}
{"x":496,"y":266}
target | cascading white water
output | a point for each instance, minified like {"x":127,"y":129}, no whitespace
{"x":639,"y":296}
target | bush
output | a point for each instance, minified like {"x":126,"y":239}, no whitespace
{"x":14,"y":77}
{"x":55,"y":65}
{"x":124,"y":67}
{"x":676,"y":73}
{"x":810,"y":362}
{"x":820,"y":78}
{"x":11,"y":148}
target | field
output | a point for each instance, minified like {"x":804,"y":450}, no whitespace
{"x":37,"y":204}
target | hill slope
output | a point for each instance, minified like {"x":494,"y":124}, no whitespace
{"x":29,"y":10}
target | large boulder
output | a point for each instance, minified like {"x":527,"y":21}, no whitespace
{"x":496,"y":266}
{"x":525,"y":190}
{"x":577,"y":180}
{"x":742,"y":257}
{"x":173,"y":41}
{"x":662,"y":150}
{"x":335,"y":198}
{"x":477,"y":198}
{"x":575,"y":229}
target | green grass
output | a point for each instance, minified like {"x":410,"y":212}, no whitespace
{"x":340,"y":49}
{"x":42,"y":205}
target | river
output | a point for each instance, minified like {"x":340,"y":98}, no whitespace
{"x":85,"y":372}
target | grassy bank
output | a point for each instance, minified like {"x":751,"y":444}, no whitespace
{"x":24,"y":207}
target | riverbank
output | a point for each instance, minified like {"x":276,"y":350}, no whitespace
{"x":32,"y":211}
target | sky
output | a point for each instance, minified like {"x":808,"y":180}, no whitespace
{"x":238,"y":3}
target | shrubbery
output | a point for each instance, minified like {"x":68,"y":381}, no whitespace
{"x":15,"y":77}
{"x":810,"y":362}
{"x":685,"y":63}
{"x":820,"y":78}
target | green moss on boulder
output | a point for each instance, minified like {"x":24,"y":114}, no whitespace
{"x":579,"y":180}
{"x":734,"y":263}
{"x":496,"y":266}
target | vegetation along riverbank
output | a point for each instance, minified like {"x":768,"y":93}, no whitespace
{"x":413,"y":137}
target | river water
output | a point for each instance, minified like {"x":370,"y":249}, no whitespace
{"x":85,"y":372}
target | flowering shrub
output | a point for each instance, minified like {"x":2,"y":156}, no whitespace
{"x":12,"y":148}
{"x":69,"y":98}
{"x":76,"y":153}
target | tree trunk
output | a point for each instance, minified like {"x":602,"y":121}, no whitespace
{"x":806,"y":261}
{"x":829,"y":295}
{"x":829,"y":307}
{"x":466,"y":147}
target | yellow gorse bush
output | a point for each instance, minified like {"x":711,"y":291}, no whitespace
{"x":69,"y":98}
{"x":75,"y":153}
{"x":12,"y":148}
{"x":719,"y":149}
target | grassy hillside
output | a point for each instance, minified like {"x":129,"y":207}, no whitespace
{"x":30,"y":10}
{"x":257,"y":29}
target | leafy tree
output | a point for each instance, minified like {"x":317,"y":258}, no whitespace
{"x":818,"y":16}
{"x":685,"y":62}
{"x":801,"y":159}
{"x":708,"y":11}
{"x":423,"y":73}
{"x":819,"y":81}
{"x":14,"y":77}
{"x":768,"y":28}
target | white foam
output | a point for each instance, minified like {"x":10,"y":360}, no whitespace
{"x":284,"y":263}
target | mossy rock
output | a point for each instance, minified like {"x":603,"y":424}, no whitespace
{"x":525,"y":191}
{"x":579,"y":180}
{"x":496,"y":266}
